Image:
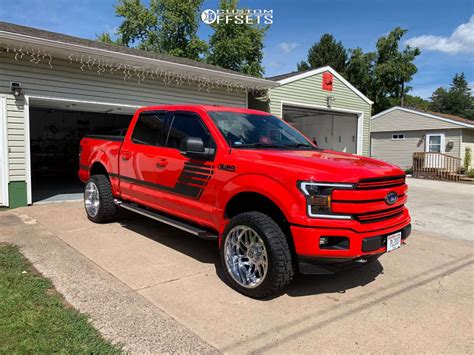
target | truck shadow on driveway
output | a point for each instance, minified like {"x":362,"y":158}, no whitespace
{"x":206,"y":251}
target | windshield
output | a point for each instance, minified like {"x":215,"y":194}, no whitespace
{"x":243,"y":130}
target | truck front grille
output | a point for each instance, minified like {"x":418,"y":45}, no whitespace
{"x":379,"y":215}
{"x":380,"y":183}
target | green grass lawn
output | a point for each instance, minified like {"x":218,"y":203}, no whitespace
{"x":34,"y":318}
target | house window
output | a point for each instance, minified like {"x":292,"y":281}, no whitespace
{"x":398,"y":137}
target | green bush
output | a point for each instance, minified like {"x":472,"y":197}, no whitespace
{"x":467,"y":159}
{"x":409,"y":171}
{"x":471,"y":173}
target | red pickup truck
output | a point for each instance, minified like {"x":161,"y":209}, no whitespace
{"x":276,"y":203}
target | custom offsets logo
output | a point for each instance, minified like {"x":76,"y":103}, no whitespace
{"x":238,"y":17}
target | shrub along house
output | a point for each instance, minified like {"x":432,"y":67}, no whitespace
{"x":399,"y":132}
{"x":55,"y":88}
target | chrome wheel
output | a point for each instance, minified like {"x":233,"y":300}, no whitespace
{"x":246,"y":256}
{"x":91,"y":199}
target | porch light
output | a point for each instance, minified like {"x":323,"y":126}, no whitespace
{"x":16,"y":89}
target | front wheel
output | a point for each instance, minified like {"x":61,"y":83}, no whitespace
{"x":255,"y":255}
{"x":98,"y":200}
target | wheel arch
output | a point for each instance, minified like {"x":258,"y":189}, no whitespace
{"x":98,"y":168}
{"x":273,"y":200}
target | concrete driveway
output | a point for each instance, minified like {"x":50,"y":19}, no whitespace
{"x":442,"y":208}
{"x":416,"y":299}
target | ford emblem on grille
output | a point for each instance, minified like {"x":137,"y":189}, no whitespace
{"x":391,"y":198}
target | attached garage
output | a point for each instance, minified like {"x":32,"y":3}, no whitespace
{"x":55,"y":130}
{"x":322,"y":105}
{"x":56,"y":88}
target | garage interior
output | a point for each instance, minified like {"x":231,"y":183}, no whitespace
{"x":329,"y":129}
{"x":55,"y":133}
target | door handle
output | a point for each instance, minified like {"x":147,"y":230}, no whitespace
{"x":126,"y":155}
{"x":161,"y":163}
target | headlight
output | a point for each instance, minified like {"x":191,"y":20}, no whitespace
{"x":318,"y":198}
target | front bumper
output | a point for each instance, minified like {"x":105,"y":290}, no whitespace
{"x":364,"y":246}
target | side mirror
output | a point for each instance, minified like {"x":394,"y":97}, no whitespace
{"x":192,"y":145}
{"x":194,"y":148}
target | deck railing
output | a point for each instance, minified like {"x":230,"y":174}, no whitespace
{"x":437,"y":166}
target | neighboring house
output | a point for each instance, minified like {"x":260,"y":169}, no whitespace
{"x":399,"y":132}
{"x":324,"y":106}
{"x":71,"y":86}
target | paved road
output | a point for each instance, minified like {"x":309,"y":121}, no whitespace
{"x":416,"y":299}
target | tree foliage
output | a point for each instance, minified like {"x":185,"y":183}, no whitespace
{"x":381,"y":75}
{"x":360,"y":70}
{"x":326,"y":52}
{"x":165,"y":26}
{"x":237,"y":47}
{"x":393,"y":69}
{"x":457,"y":100}
{"x":105,"y":37}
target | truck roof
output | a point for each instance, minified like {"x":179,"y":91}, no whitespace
{"x":203,"y":108}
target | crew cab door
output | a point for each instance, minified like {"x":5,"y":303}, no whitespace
{"x":139,"y":156}
{"x":186,"y":181}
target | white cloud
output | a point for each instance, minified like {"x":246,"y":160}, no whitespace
{"x":275,"y":64}
{"x":287,"y":47}
{"x":460,"y":41}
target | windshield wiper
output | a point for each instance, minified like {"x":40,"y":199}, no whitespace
{"x":300,"y":145}
{"x":259,"y":145}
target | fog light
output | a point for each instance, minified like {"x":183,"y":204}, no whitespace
{"x":334,"y":243}
{"x":323,"y":241}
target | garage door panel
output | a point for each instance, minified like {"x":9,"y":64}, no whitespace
{"x":330,"y":129}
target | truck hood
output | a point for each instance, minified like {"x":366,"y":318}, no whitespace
{"x":328,"y":164}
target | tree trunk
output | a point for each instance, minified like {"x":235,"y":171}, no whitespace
{"x":402,"y":94}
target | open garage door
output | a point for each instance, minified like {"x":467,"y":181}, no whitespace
{"x":330,"y":129}
{"x":55,"y":130}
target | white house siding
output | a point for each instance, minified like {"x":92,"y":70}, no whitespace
{"x":16,"y":138}
{"x":400,"y":152}
{"x":67,"y":81}
{"x":394,"y":120}
{"x":467,"y":142}
{"x":309,"y":91}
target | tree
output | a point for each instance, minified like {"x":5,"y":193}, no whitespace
{"x":360,"y":70}
{"x":237,"y":47}
{"x":106,"y":38}
{"x":439,"y":100}
{"x":302,"y":66}
{"x":393,"y":69}
{"x":457,"y":100}
{"x":326,"y":52}
{"x":415,"y":102}
{"x":166,"y":26}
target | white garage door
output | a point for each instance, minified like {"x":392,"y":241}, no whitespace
{"x":331,"y":130}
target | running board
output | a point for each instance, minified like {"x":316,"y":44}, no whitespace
{"x":201,"y":233}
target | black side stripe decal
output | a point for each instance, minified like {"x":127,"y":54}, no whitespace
{"x":191,"y":182}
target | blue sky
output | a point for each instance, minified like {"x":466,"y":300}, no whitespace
{"x":444,"y":30}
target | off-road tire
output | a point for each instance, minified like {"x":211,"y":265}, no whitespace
{"x":107,"y":207}
{"x":280,"y":271}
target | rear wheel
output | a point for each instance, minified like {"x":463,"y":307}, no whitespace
{"x":255,"y":255}
{"x":98,"y":200}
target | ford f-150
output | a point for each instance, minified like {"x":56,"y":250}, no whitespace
{"x":276,"y":202}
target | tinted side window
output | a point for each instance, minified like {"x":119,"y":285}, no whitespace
{"x":149,"y":128}
{"x":182,"y":126}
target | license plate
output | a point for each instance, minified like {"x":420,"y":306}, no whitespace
{"x":394,"y":241}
